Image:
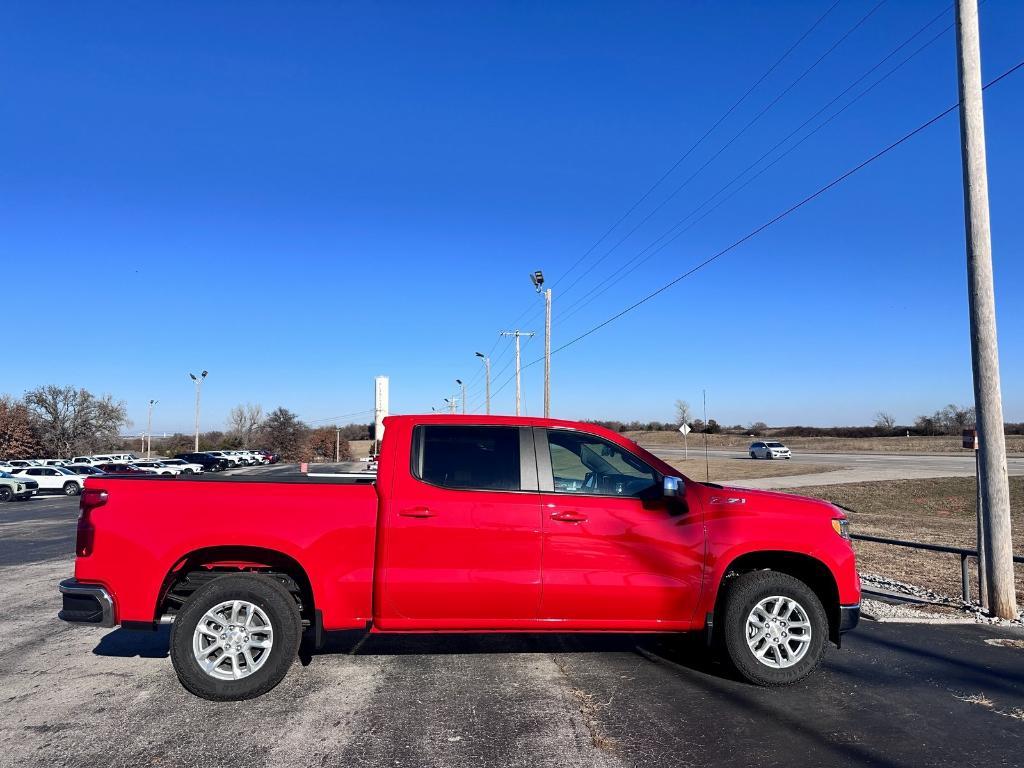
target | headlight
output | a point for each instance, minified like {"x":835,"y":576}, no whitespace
{"x":842,"y":527}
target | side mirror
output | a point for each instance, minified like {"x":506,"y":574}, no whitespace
{"x":671,"y":487}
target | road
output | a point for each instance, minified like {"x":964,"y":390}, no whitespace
{"x":854,"y":467}
{"x":895,"y":695}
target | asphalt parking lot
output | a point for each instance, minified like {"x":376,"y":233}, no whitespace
{"x":895,"y":695}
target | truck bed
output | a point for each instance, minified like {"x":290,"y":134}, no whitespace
{"x":149,"y":529}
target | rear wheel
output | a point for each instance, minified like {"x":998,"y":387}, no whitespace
{"x":72,"y":489}
{"x":774,"y":628}
{"x":235,"y":637}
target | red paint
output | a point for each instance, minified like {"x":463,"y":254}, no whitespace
{"x":410,"y":556}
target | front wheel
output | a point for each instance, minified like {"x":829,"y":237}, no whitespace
{"x":774,"y":628}
{"x":753,"y":455}
{"x":72,"y":489}
{"x":6,"y":494}
{"x":236,"y":637}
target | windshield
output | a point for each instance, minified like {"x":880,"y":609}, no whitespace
{"x":775,"y":445}
{"x":8,"y":474}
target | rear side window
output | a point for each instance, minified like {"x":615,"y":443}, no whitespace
{"x":480,"y":458}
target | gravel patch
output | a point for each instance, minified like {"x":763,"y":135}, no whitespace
{"x":936,"y":606}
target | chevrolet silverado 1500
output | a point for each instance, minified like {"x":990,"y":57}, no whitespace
{"x":473,"y":524}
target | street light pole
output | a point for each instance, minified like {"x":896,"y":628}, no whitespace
{"x":992,"y":474}
{"x":459,"y":382}
{"x":199,"y":384}
{"x":149,"y":429}
{"x":487,"y":379}
{"x":537,"y":278}
{"x":517,"y":333}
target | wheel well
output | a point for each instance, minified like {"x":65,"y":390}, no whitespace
{"x":202,"y":566}
{"x":807,"y":569}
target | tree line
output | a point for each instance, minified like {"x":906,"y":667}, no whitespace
{"x":65,"y":421}
{"x":949,"y":420}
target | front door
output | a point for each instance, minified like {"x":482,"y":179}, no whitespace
{"x":463,"y":534}
{"x":617,"y":554}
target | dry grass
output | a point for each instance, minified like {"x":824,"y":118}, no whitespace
{"x":946,"y":444}
{"x":360,"y":448}
{"x":936,"y":510}
{"x":730,"y":470}
{"x":978,"y":698}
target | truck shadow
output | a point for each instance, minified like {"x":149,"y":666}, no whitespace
{"x":683,"y":650}
{"x":126,"y":643}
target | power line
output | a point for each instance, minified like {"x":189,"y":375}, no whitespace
{"x":732,"y":140}
{"x":690,"y":150}
{"x":792,"y":209}
{"x":342,"y":416}
{"x":637,"y":262}
{"x":698,"y":142}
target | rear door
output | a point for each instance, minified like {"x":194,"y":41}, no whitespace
{"x":617,"y":554}
{"x":462,"y":541}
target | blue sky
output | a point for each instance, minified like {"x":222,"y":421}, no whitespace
{"x":299,"y":196}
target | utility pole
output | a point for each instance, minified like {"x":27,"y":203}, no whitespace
{"x":538,"y":281}
{"x":487,"y":378}
{"x":337,"y":444}
{"x":149,"y":429}
{"x":517,"y":333}
{"x":459,"y":382}
{"x":992,"y":475}
{"x":199,"y":384}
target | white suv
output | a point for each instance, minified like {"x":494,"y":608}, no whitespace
{"x":54,"y":479}
{"x":769,"y":450}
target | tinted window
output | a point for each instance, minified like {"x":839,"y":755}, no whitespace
{"x":485,"y":458}
{"x":582,"y":463}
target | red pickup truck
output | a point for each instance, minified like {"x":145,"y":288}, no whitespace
{"x":473,"y":524}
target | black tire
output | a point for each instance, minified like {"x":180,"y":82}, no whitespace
{"x":72,"y":489}
{"x":187,"y":471}
{"x":742,"y":595}
{"x":753,"y":455}
{"x":270,"y":597}
{"x":6,"y":494}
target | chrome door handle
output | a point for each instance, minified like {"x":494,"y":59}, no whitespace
{"x":416,"y":512}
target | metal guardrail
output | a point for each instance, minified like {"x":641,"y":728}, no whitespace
{"x":965,"y":555}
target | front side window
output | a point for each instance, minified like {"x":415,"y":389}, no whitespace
{"x":479,"y":458}
{"x":586,"y":464}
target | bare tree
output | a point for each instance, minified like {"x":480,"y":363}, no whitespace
{"x":683,"y":412}
{"x":70,"y":420}
{"x":244,"y":421}
{"x":18,"y":439}
{"x":758,"y":428}
{"x":885,"y":421}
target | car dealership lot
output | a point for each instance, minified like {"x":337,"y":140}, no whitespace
{"x":896,"y":694}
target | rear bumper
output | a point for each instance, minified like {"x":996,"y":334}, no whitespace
{"x":88,"y":604}
{"x":849,"y":617}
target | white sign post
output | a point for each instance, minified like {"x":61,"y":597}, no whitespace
{"x":685,"y":429}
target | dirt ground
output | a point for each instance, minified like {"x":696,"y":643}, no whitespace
{"x":729,"y":470}
{"x":935,"y":511}
{"x":944,"y":444}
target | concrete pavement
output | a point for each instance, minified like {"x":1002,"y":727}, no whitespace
{"x":854,"y":467}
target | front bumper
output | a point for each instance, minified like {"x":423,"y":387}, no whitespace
{"x":88,"y":604}
{"x":849,"y":617}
